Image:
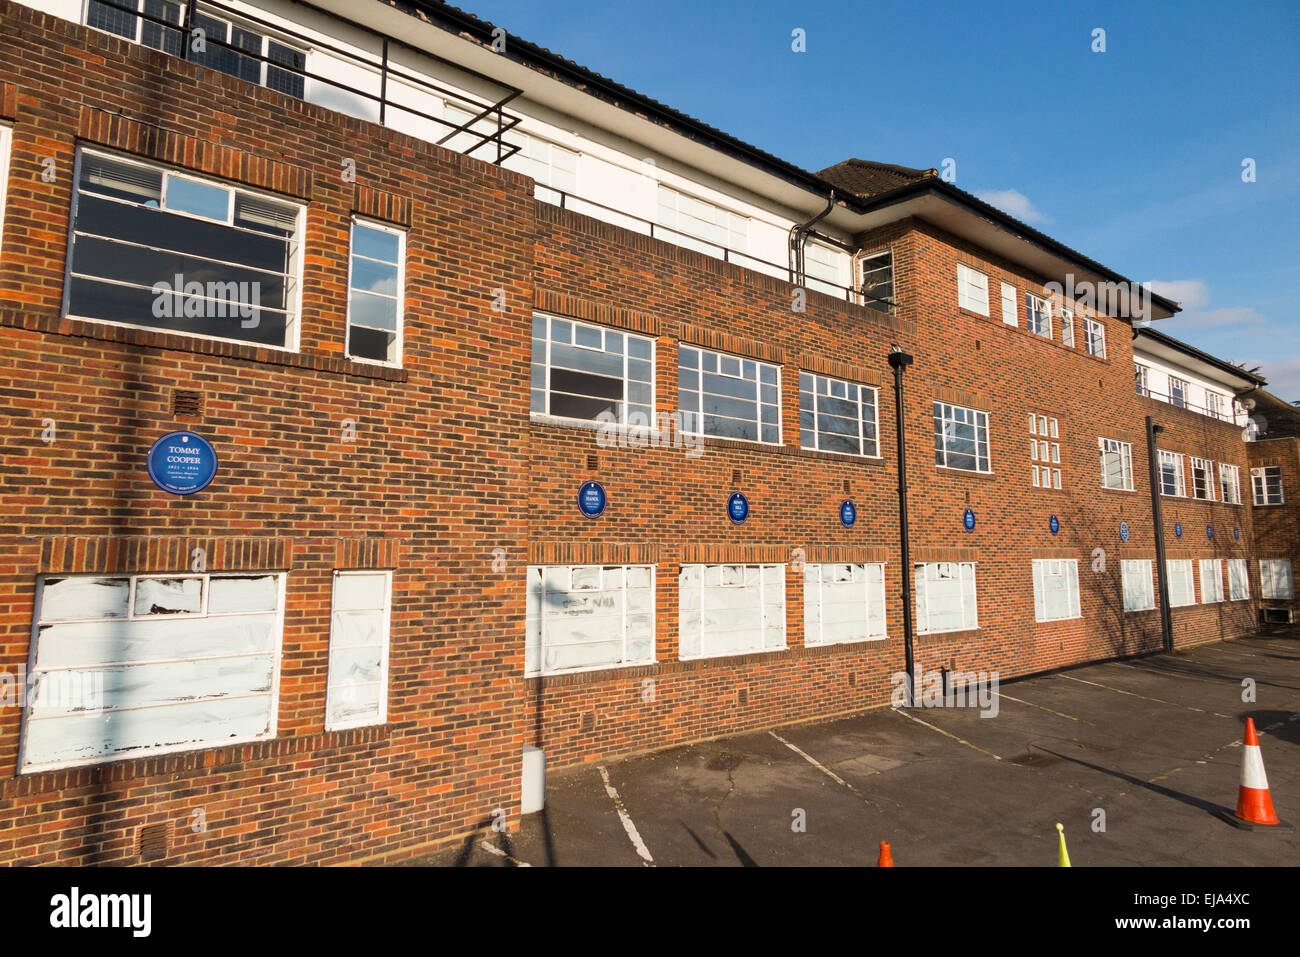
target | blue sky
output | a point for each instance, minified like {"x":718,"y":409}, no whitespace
{"x":1132,"y":156}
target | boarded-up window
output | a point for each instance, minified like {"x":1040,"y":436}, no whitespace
{"x":1275,"y":578}
{"x":358,"y":672}
{"x":132,"y":665}
{"x":1238,"y":579}
{"x":843,"y":603}
{"x":1056,"y":589}
{"x":582,"y":617}
{"x":945,"y":597}
{"x":1139,"y":594}
{"x":1181,"y":589}
{"x":1211,"y":580}
{"x":731,"y":609}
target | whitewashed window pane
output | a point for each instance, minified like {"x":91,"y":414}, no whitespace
{"x":237,"y":593}
{"x":168,"y":596}
{"x":83,"y":597}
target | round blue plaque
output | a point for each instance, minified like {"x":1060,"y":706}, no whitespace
{"x":969,"y":520}
{"x":848,"y":513}
{"x":1178,"y":529}
{"x":1236,"y":534}
{"x":181,"y":463}
{"x":592,"y":499}
{"x":1209,"y":531}
{"x":737,"y":508}
{"x":1054,"y":524}
{"x":1123,"y":531}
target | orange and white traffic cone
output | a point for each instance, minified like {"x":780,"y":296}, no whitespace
{"x":886,"y":859}
{"x":1254,"y":805}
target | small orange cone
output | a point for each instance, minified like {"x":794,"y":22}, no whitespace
{"x":1254,"y":804}
{"x":886,"y":859}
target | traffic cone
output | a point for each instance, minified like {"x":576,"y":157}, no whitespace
{"x":886,"y":859}
{"x":1065,"y":855}
{"x":1254,"y":804}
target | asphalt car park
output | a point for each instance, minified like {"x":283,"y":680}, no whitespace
{"x":1134,"y":758}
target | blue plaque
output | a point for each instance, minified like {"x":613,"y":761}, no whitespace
{"x":1123,"y":531}
{"x":182,"y":463}
{"x":969,"y":520}
{"x":1054,"y":524}
{"x":1178,"y":529}
{"x":848,"y":513}
{"x":1236,"y":534}
{"x":1209,"y":531}
{"x":737,"y":508}
{"x":592,"y":499}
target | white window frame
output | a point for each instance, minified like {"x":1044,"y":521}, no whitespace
{"x":953,"y":570}
{"x":1056,"y":567}
{"x":870,"y":601}
{"x":1094,"y":338}
{"x":624,"y":660}
{"x":1207,"y":469}
{"x":1164,"y":456}
{"x":832,"y":382}
{"x":6,"y":152}
{"x":1180,"y":569}
{"x":1231,"y":489}
{"x":275,"y":653}
{"x":1214,"y":404}
{"x":981,"y":424}
{"x":758,"y":394}
{"x":1067,"y":327}
{"x":762,"y":603}
{"x":387,"y":612}
{"x":1238,"y":579}
{"x":1125,"y":451}
{"x":880,"y":305}
{"x":268,"y":35}
{"x":1260,"y":486}
{"x":1211,"y":572}
{"x":1142,"y":378}
{"x":1147,"y":595}
{"x":605,"y":331}
{"x":1183,"y":392}
{"x":1041,"y":450}
{"x":684,"y":237}
{"x":1037,"y":306}
{"x":1271,"y":574}
{"x":139,"y":22}
{"x":401,"y":289}
{"x":1010,"y":309}
{"x":972,"y":289}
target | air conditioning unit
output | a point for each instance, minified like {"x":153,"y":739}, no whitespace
{"x":1276,"y":616}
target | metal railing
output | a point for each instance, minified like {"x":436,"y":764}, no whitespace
{"x":1184,"y":403}
{"x":382,"y":65}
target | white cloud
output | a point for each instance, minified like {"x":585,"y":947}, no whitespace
{"x":1189,"y":293}
{"x":1015,"y":203}
{"x":1283,"y":376}
{"x":1215,"y":318}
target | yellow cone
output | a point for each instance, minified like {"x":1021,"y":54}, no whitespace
{"x":1065,"y":855}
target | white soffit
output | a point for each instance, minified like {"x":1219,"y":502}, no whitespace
{"x":1145,"y":346}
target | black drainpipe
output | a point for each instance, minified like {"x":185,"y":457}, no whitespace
{"x":1162,"y":575}
{"x":900,"y":360}
{"x":799,"y":235}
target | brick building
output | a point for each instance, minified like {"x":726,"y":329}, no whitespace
{"x":542,"y":416}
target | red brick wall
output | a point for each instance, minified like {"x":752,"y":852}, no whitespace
{"x":1276,"y":527}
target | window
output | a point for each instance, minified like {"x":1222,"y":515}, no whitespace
{"x":836,"y":416}
{"x":1094,"y":338}
{"x":1181,"y":589}
{"x":822,"y":267}
{"x":581,"y":617}
{"x":1211,"y":581}
{"x":686,"y":217}
{"x":1009,"y":305}
{"x":1142,"y":376}
{"x":843,"y":603}
{"x":280,"y":67}
{"x":1238,"y":579}
{"x":731,"y":609}
{"x":584,"y":372}
{"x":6,"y":143}
{"x":376,"y":286}
{"x":1139,"y":594}
{"x":1056,"y":589}
{"x":357,"y":690}
{"x":878,"y":280}
{"x":1202,"y":479}
{"x":129,"y":665}
{"x":972,"y":290}
{"x":1116,"y":464}
{"x":165,"y":250}
{"x":728,"y":397}
{"x":1067,"y":327}
{"x":1267,"y":483}
{"x":1178,"y":392}
{"x":1275,"y":578}
{"x":552,"y":167}
{"x":1230,"y":483}
{"x":1172,"y":480}
{"x":1041,"y":449}
{"x":945,"y":597}
{"x":1038,"y":315}
{"x":1214,"y":405}
{"x":961,"y":438}
{"x":111,"y":19}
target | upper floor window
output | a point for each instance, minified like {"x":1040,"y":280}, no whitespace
{"x":1230,"y":483}
{"x":1267,"y":484}
{"x":591,"y":373}
{"x":1172,"y":481}
{"x":1038,"y":313}
{"x":553,"y":168}
{"x":687,"y":217}
{"x":961,"y":438}
{"x":1094,"y":338}
{"x":1009,"y":305}
{"x":1202,"y":479}
{"x":240,"y":40}
{"x":972,"y":290}
{"x":1067,"y":327}
{"x":836,"y":416}
{"x":1116,"y":464}
{"x":1214,"y":405}
{"x":161,"y":249}
{"x":728,"y":397}
{"x":822,"y":267}
{"x":878,"y":280}
{"x":112,"y":18}
{"x":1177,"y":392}
{"x":1142,"y":377}
{"x":1045,"y":449}
{"x":375,"y":290}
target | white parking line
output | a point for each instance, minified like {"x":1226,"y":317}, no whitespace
{"x":825,"y":770}
{"x":947,"y":734}
{"x":633,"y":835}
{"x":500,"y":853}
{"x":1134,"y":694}
{"x":1059,"y":714}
